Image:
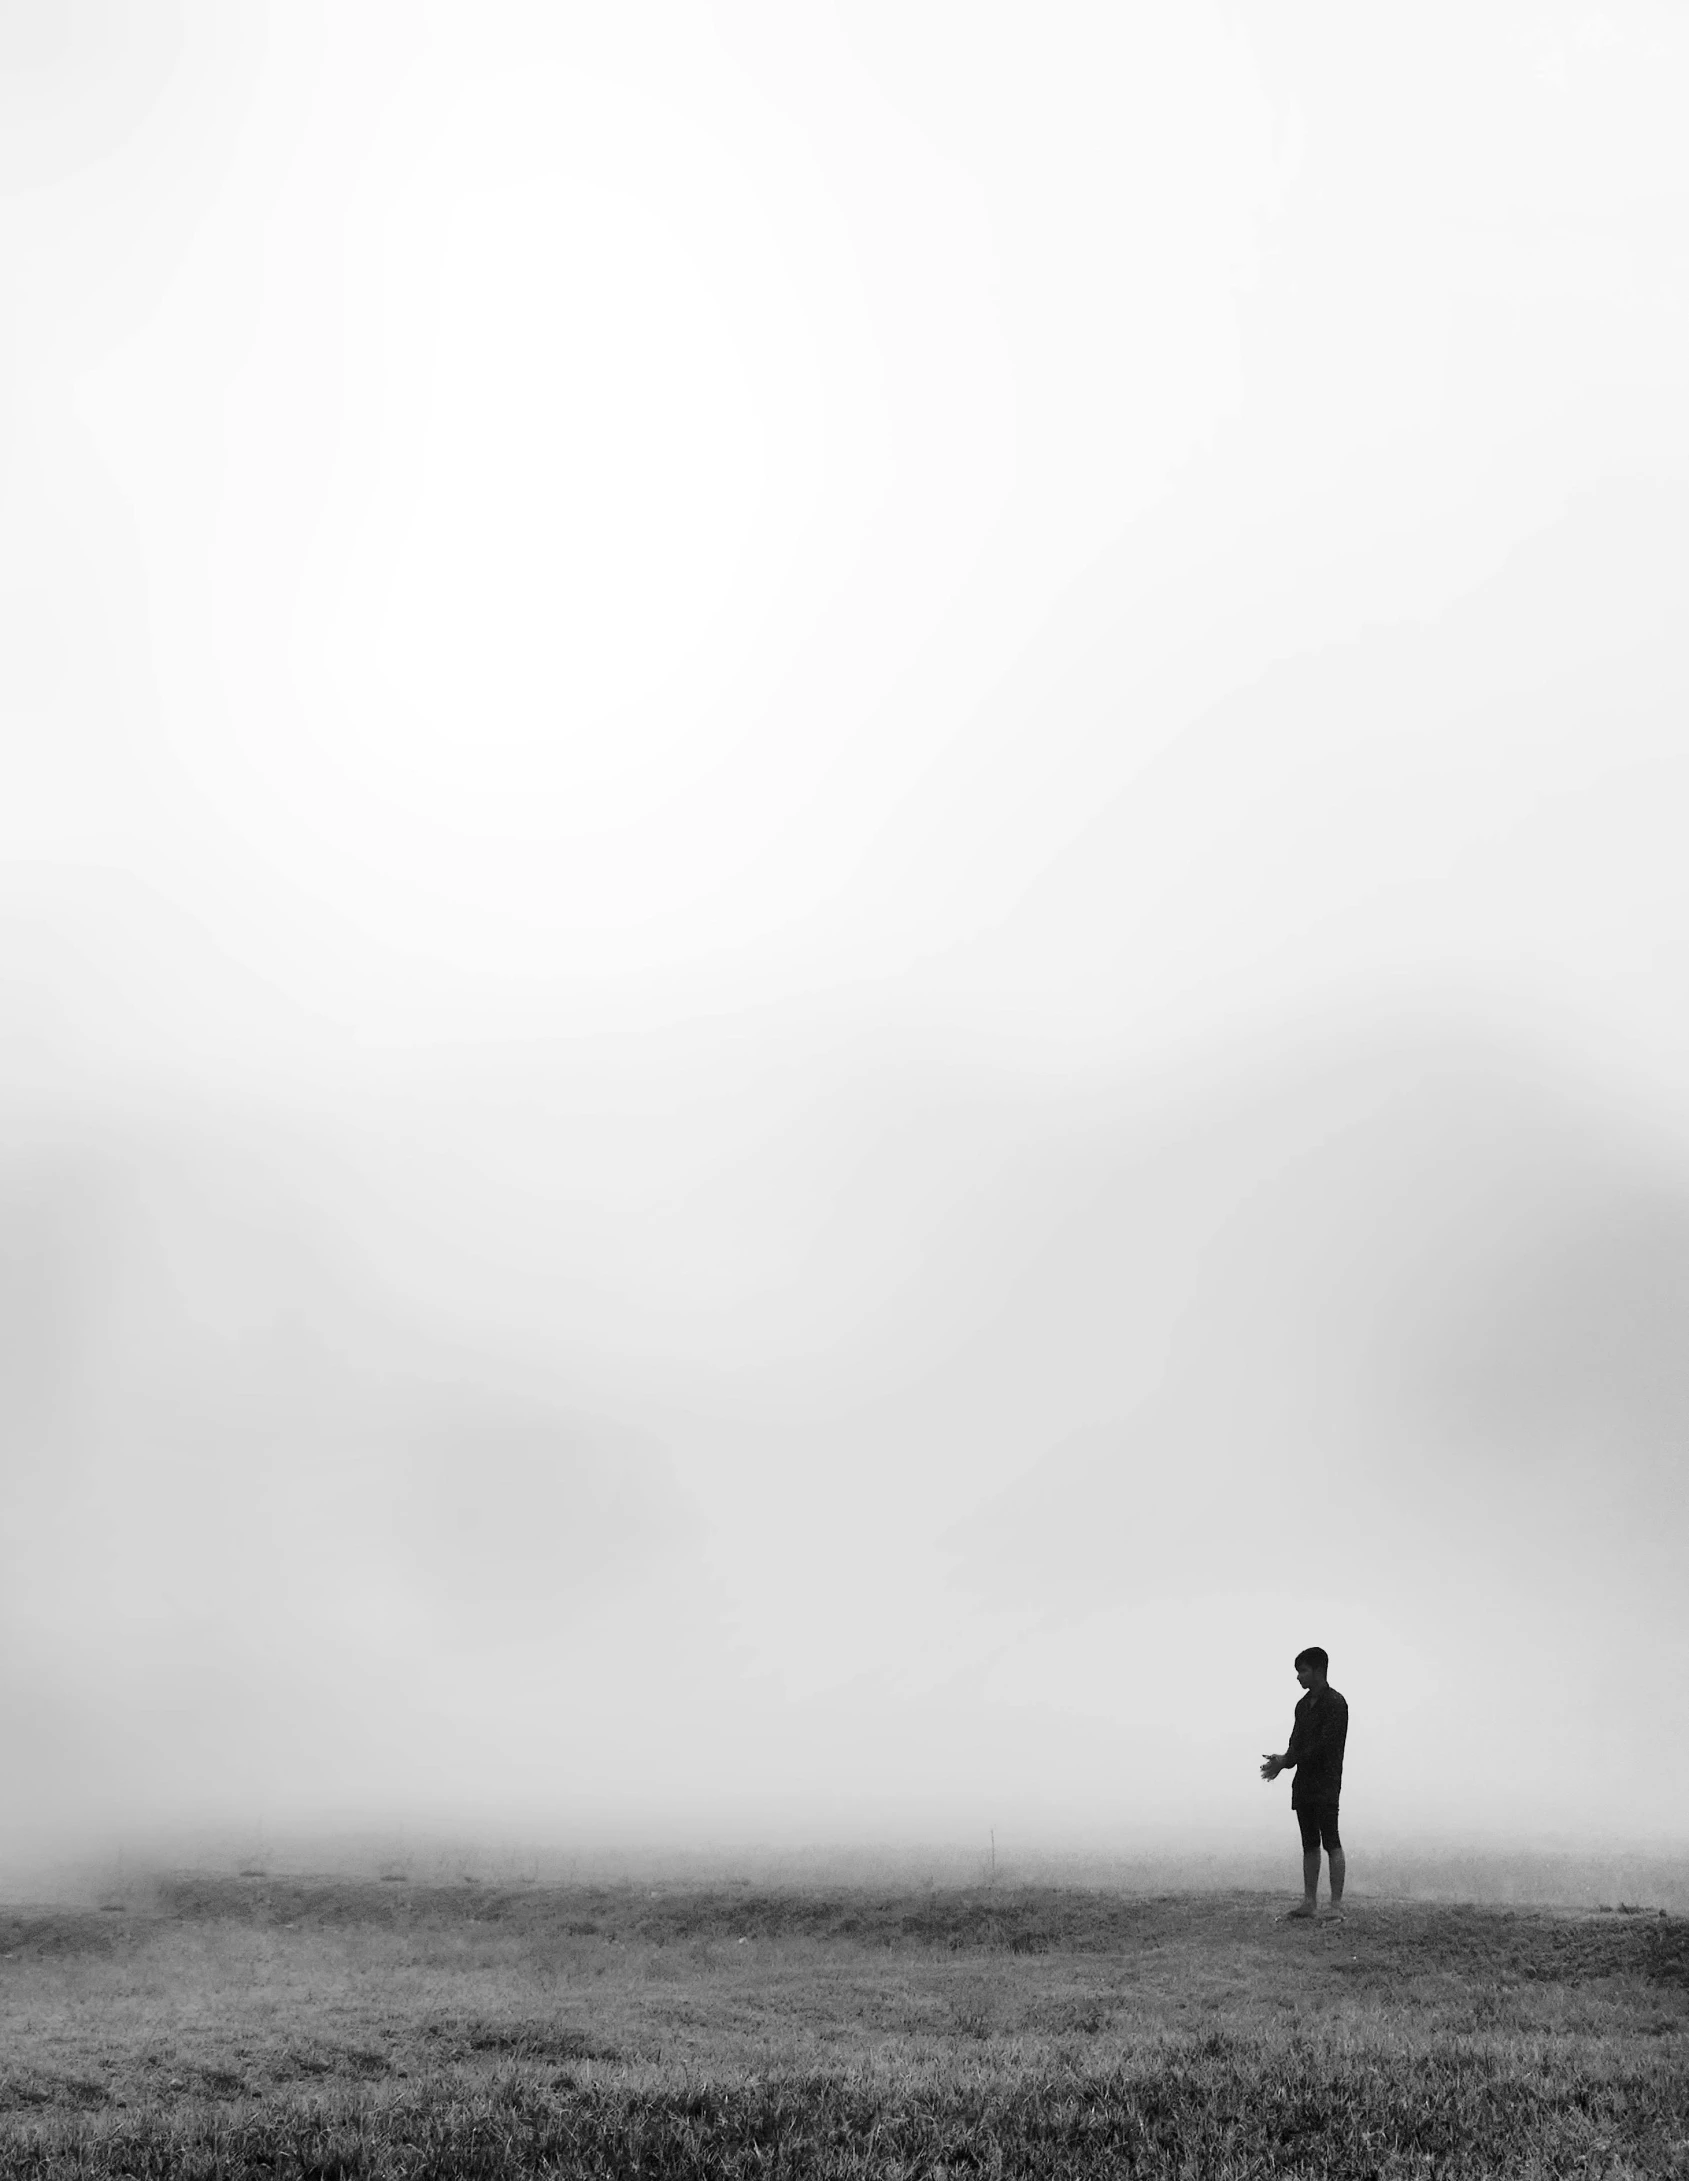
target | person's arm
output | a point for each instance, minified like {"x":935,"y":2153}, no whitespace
{"x":1304,"y":1743}
{"x":1273,"y":1766}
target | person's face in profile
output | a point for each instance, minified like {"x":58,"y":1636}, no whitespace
{"x":1305,"y":1675}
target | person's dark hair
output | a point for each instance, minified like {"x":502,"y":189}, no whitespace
{"x":1312,"y":1656}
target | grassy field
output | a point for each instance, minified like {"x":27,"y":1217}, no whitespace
{"x":318,"y":2028}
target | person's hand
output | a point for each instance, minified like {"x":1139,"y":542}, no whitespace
{"x":1272,"y":1768}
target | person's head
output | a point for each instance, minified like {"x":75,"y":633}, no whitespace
{"x":1311,"y":1667}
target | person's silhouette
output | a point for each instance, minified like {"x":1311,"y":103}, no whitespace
{"x":1317,"y":1737}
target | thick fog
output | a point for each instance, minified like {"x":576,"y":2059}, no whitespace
{"x":844,"y":927}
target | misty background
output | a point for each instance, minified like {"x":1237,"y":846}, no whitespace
{"x":844,"y":934}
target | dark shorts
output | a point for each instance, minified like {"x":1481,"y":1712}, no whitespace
{"x":1319,"y":1828}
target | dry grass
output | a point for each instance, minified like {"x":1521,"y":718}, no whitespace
{"x":322,"y":2028}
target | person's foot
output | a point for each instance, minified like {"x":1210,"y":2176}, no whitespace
{"x":1334,"y":1914}
{"x":1299,"y":1915}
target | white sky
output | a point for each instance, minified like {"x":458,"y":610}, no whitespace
{"x":844,"y":935}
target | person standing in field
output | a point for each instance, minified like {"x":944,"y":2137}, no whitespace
{"x":1316,"y":1754}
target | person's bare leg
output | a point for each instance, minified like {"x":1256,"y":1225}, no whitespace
{"x":1337,"y":1869}
{"x":1310,"y":1881}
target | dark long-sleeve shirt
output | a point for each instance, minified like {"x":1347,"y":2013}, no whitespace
{"x":1316,"y":1748}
